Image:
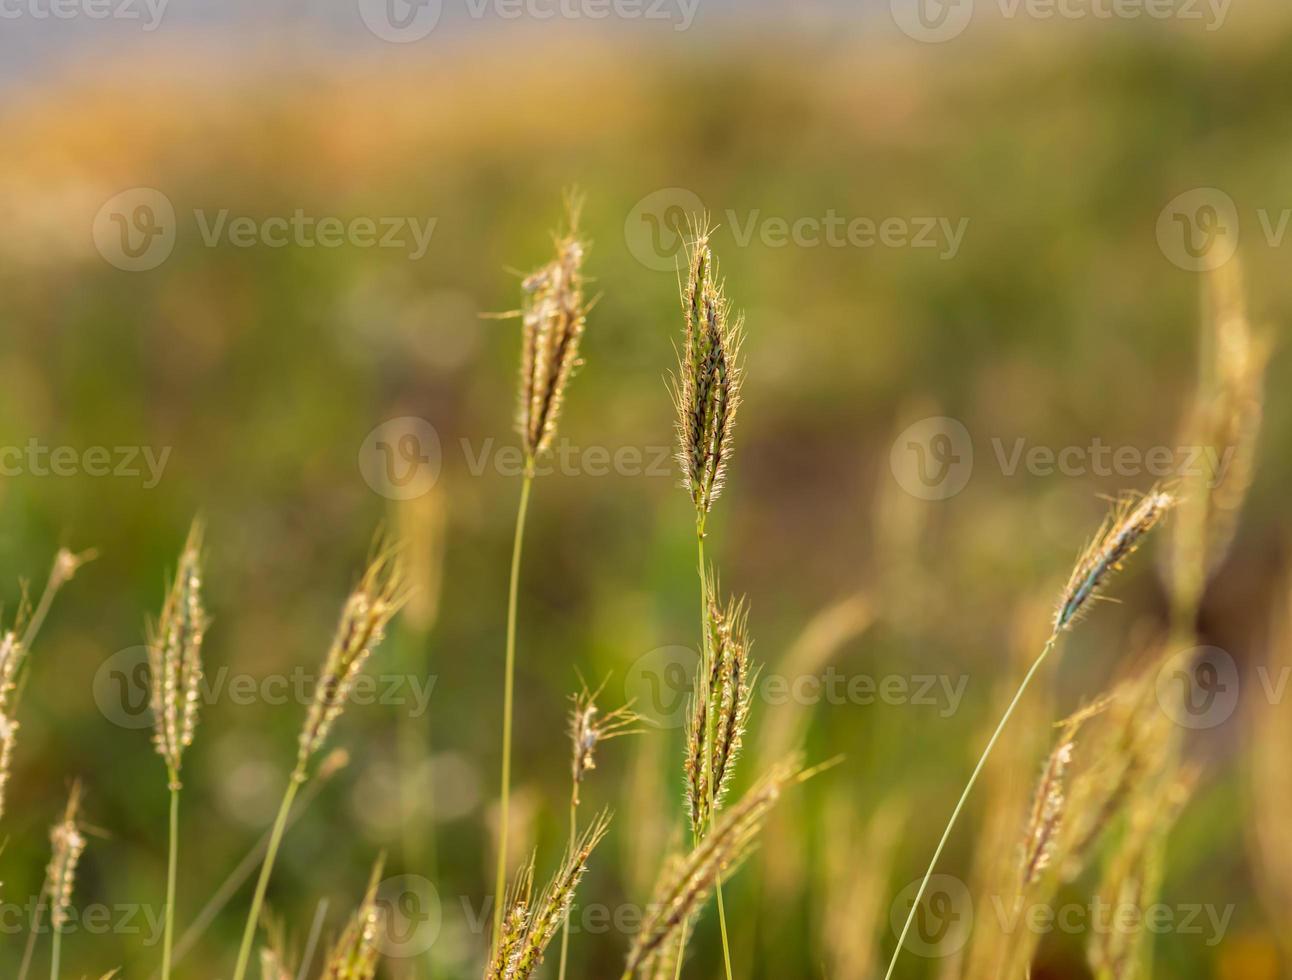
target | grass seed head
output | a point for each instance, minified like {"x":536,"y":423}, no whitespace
{"x":682,"y":892}
{"x":553,"y":316}
{"x":67,"y":842}
{"x":1122,"y":533}
{"x":362,"y":627}
{"x":175,"y":658}
{"x":706,"y":391}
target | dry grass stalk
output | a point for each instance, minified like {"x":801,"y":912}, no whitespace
{"x":364,"y":618}
{"x":357,"y":955}
{"x":706,"y":391}
{"x":67,"y":842}
{"x":683,"y":892}
{"x":1116,"y":541}
{"x":175,"y":658}
{"x":720,"y":709}
{"x":529,"y":925}
{"x":553,"y":317}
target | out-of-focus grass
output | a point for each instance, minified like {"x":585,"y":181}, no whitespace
{"x":1059,"y":320}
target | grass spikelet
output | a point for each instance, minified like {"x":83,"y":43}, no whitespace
{"x":706,"y":391}
{"x":529,"y":926}
{"x":11,"y":656}
{"x":361,"y":629}
{"x":683,"y":892}
{"x":1115,"y":542}
{"x":356,"y":955}
{"x":515,"y":923}
{"x":67,"y":844}
{"x":553,"y":317}
{"x":720,"y":709}
{"x":175,"y":658}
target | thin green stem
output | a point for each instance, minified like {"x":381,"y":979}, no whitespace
{"x":565,"y":926}
{"x":509,"y":681}
{"x":973,"y":778}
{"x":57,"y":954}
{"x":266,"y":869}
{"x":168,"y":936}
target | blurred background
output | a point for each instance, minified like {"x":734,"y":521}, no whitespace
{"x":245,"y":250}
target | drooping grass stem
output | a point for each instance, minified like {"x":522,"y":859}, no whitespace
{"x":508,"y":692}
{"x":1050,"y":644}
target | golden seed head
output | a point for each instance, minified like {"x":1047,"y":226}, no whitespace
{"x":361,"y":629}
{"x":68,"y":842}
{"x":681,"y":892}
{"x":553,"y":316}
{"x":529,"y":926}
{"x":1122,"y":533}
{"x":706,"y":391}
{"x":175,"y":658}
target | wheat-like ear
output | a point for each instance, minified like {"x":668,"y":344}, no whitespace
{"x":361,"y":629}
{"x":67,"y":844}
{"x":1121,"y":534}
{"x":682,"y":892}
{"x":528,"y":925}
{"x":706,"y":390}
{"x":175,"y":658}
{"x":720,"y":707}
{"x":518,"y":906}
{"x":553,"y":316}
{"x":356,"y":955}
